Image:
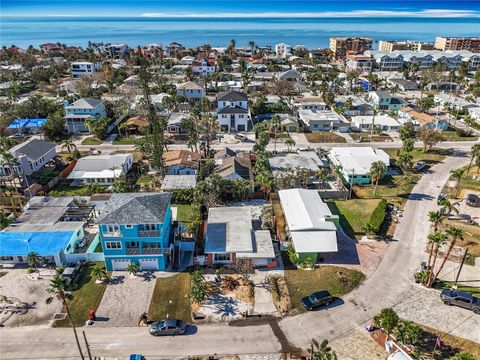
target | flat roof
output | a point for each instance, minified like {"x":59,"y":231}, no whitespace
{"x":42,"y":243}
{"x":280,"y":163}
{"x":383,"y":120}
{"x":172,"y":182}
{"x":357,"y":160}
{"x":262,"y":246}
{"x":314,"y":241}
{"x":305,"y":210}
{"x":307,"y":116}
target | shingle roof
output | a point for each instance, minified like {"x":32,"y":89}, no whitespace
{"x":86,"y":103}
{"x":33,"y":148}
{"x":190,"y":85}
{"x":135,"y":208}
{"x":225,"y":152}
{"x":232,"y":95}
{"x":240,"y":165}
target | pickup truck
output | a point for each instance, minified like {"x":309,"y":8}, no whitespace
{"x":461,"y":298}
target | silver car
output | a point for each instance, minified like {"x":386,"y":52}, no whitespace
{"x":167,"y":327}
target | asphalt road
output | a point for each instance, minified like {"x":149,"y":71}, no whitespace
{"x":387,"y":287}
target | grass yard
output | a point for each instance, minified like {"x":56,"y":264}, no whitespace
{"x":324,"y":137}
{"x":86,"y":297}
{"x":471,"y":180}
{"x":353,"y":213}
{"x":64,"y":189}
{"x":451,"y":135}
{"x":92,"y":140}
{"x":144,"y":180}
{"x":433,"y":156}
{"x":448,"y":285}
{"x":183,"y":212}
{"x":367,"y":138}
{"x":337,"y":280}
{"x":471,"y":235}
{"x":124,"y":140}
{"x":171,"y":296}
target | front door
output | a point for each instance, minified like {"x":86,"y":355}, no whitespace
{"x":232,"y":122}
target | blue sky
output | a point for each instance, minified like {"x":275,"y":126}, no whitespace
{"x":236,"y":8}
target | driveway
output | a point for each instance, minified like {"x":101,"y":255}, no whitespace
{"x":425,"y":307}
{"x":125,"y":299}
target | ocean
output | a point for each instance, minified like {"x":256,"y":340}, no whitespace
{"x":191,"y":32}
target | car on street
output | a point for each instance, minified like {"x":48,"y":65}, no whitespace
{"x":167,"y":327}
{"x":240,"y":137}
{"x":462,"y":299}
{"x":420,"y":166}
{"x":473,"y":200}
{"x":317,"y":299}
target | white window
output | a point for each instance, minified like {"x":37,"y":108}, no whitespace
{"x":113,"y":244}
{"x":222,"y":257}
{"x":113,"y":228}
{"x":128,"y":226}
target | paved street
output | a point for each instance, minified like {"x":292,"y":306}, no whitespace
{"x":389,"y":285}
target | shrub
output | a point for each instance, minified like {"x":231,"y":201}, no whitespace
{"x":292,"y":255}
{"x":378,"y":215}
{"x":30,"y":270}
{"x":463,"y":132}
{"x":230,"y":283}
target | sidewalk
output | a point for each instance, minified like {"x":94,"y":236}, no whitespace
{"x":470,"y":275}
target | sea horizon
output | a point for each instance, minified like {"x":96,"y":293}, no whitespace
{"x":311,"y":32}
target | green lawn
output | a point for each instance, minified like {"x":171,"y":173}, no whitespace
{"x":92,"y":140}
{"x":64,"y":189}
{"x":432,"y":156}
{"x":144,"y":180}
{"x":171,"y":297}
{"x":86,"y":297}
{"x":124,"y":140}
{"x":183,"y":212}
{"x":353,"y":213}
{"x":324,"y":137}
{"x":468,"y":181}
{"x":448,"y":285}
{"x":367,"y":138}
{"x":452,"y":135}
{"x":337,"y":280}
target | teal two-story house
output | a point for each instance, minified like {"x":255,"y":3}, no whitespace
{"x":135,"y":228}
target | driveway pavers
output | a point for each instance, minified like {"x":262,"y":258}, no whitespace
{"x":125,"y":299}
{"x":424,"y":307}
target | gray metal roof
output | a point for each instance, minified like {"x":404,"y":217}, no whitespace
{"x":136,"y":208}
{"x":101,"y":162}
{"x":33,"y":149}
{"x":85,"y":103}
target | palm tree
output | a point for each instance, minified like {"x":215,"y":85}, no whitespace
{"x":377,"y":171}
{"x":58,"y":289}
{"x":435,"y":240}
{"x":69,"y":145}
{"x":448,"y":207}
{"x":33,"y":260}
{"x":289,"y":143}
{"x":457,"y":174}
{"x":132,"y":269}
{"x":454,"y":234}
{"x":369,"y":229}
{"x":374,"y":113}
{"x":322,"y":176}
{"x":436,"y":218}
{"x":475,"y":152}
{"x":276,"y":121}
{"x":98,"y":272}
{"x":265,"y":182}
{"x":321,"y":351}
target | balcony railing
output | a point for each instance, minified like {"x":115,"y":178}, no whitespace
{"x":112,"y":235}
{"x":133,"y":251}
{"x":148,"y":233}
{"x":151,"y":251}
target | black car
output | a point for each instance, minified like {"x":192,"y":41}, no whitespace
{"x":317,"y":299}
{"x":473,"y":200}
{"x":167,"y":327}
{"x":462,"y":299}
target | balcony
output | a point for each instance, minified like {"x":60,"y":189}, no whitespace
{"x":112,"y":235}
{"x":148,"y":233}
{"x":133,"y":251}
{"x":151,"y":251}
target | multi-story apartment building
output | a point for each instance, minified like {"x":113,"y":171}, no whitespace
{"x":389,"y":46}
{"x":78,"y":112}
{"x":135,"y":228}
{"x":232,"y":111}
{"x":117,"y":51}
{"x":203,"y":67}
{"x":83,"y":68}
{"x":458,"y":43}
{"x":359,"y":62}
{"x":340,"y":46}
{"x":283,"y":50}
{"x":191,"y":90}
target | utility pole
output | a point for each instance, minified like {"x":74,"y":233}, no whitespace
{"x":87,"y":345}
{"x":461,"y":265}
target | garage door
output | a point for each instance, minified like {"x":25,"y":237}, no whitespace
{"x":119,"y":265}
{"x":148,"y":264}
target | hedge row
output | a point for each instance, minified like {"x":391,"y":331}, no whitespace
{"x":378,"y":215}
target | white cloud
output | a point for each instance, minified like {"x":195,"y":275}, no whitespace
{"x":433,"y":13}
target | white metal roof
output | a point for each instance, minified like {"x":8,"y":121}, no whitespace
{"x":357,"y":160}
{"x":305,"y":210}
{"x":262,"y":246}
{"x":314,"y":241}
{"x":380,"y":120}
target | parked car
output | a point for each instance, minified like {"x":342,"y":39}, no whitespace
{"x":240,"y":137}
{"x":167,"y":327}
{"x":473,"y":200}
{"x":317,"y":299}
{"x":420,"y":166}
{"x":461,"y":298}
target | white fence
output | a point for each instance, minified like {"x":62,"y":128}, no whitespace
{"x":88,"y":257}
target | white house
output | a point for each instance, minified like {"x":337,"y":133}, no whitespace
{"x":117,"y":51}
{"x":78,"y":112}
{"x":83,"y":68}
{"x":453,"y":102}
{"x":203,"y":67}
{"x":232,"y":111}
{"x":28,"y":157}
{"x":100,"y":169}
{"x":187,"y":60}
{"x":190,"y":90}
{"x":354,"y":163}
{"x":322,"y":120}
{"x":381,"y":122}
{"x":283,"y":50}
{"x":474,"y":113}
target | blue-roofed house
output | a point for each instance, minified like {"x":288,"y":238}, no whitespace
{"x":135,"y":228}
{"x":26,"y":126}
{"x":43,"y":228}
